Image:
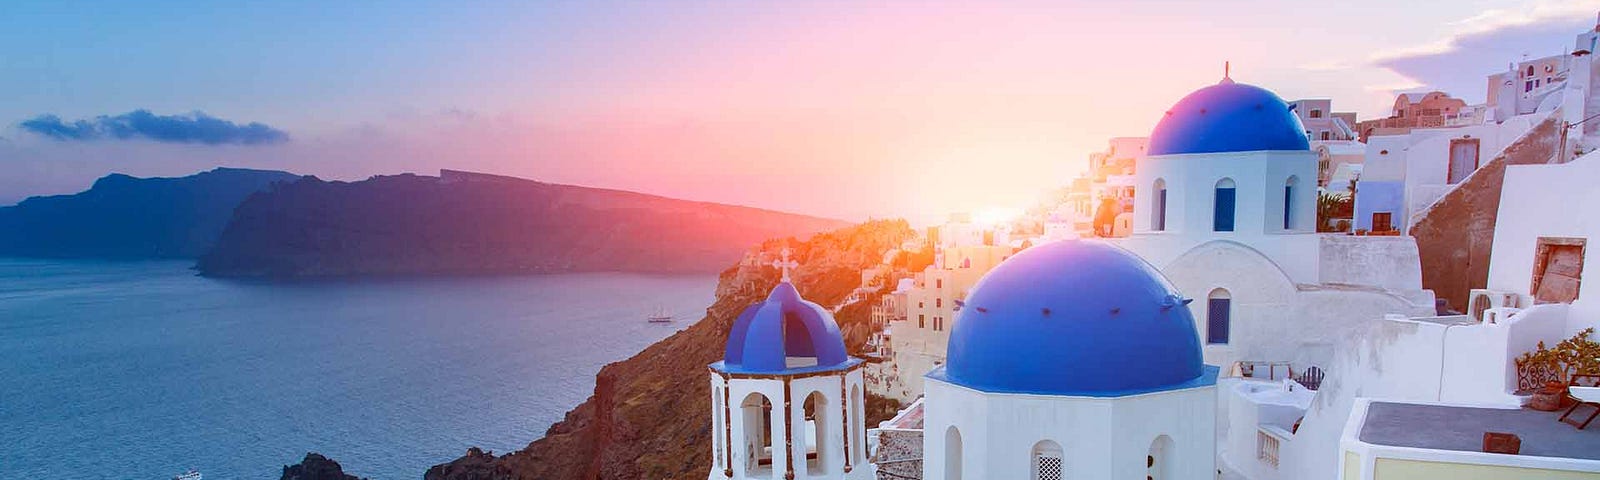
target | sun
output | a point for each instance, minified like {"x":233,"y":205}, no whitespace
{"x":993,"y":216}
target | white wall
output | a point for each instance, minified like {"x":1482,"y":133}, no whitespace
{"x":1099,"y":437}
{"x":1548,"y":201}
{"x":842,"y":420}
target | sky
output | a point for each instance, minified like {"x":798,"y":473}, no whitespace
{"x":842,"y":109}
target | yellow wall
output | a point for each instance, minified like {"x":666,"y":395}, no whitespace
{"x":1394,"y":469}
{"x":1352,"y":466}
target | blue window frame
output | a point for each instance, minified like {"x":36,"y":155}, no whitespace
{"x":1218,"y":311}
{"x":1222,"y":218}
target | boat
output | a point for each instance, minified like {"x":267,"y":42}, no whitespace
{"x":660,"y":316}
{"x":192,"y":474}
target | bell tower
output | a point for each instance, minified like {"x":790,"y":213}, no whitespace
{"x":787,"y":401}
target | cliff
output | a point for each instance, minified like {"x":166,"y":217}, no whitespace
{"x":475,"y":223}
{"x":649,"y":415}
{"x":127,"y":217}
{"x":316,"y":467}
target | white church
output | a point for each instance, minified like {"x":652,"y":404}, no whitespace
{"x":1156,"y":355}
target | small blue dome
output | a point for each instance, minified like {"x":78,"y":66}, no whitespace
{"x":1075,"y":317}
{"x":768,"y":334}
{"x":1228,"y":117}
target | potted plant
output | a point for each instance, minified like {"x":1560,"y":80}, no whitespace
{"x":1570,"y":357}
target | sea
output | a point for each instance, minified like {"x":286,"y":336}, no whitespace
{"x":143,"y":370}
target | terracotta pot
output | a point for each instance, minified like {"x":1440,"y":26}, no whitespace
{"x":1547,"y":401}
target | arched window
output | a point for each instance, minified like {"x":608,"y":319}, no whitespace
{"x":1219,"y":310}
{"x":756,"y":413}
{"x":1047,"y":461}
{"x":1530,"y":70}
{"x":1222,"y":214}
{"x":858,"y":422}
{"x":952,"y":453}
{"x":1158,"y":205}
{"x":1288,"y":201}
{"x":819,"y":427}
{"x":1158,"y":463}
{"x":717,"y":424}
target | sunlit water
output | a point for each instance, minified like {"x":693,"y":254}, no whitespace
{"x":141,"y":370}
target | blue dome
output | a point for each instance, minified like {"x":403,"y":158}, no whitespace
{"x":785,"y":326}
{"x":1075,"y":317}
{"x":1228,"y":117}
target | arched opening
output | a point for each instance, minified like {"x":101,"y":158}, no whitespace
{"x":1219,"y":313}
{"x":1047,"y":461}
{"x":1158,"y":463}
{"x":756,"y":415}
{"x":1222,"y":214}
{"x":819,"y":425}
{"x":858,"y":422}
{"x":1158,"y":205}
{"x":717,"y":425}
{"x":1288,"y":201}
{"x":952,"y":453}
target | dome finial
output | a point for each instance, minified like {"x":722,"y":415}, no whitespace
{"x":1227,"y":74}
{"x":785,"y":264}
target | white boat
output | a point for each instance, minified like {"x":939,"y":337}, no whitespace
{"x":192,"y":474}
{"x":661,"y":316}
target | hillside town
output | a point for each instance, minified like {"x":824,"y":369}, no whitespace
{"x":1258,"y":289}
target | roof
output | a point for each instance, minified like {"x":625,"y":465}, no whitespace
{"x":1228,"y":117}
{"x":1445,"y":427}
{"x":1051,"y":319}
{"x":769,"y":337}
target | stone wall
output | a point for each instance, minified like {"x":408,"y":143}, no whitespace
{"x":1455,"y":235}
{"x":899,"y":454}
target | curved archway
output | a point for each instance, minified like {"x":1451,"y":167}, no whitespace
{"x":756,"y":416}
{"x":1158,"y":462}
{"x":1219,"y":316}
{"x":1222,"y":202}
{"x":858,"y":422}
{"x":1048,"y":463}
{"x":1158,"y":205}
{"x":819,"y":426}
{"x":952,"y":453}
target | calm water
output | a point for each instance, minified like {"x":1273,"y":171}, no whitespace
{"x":141,"y":370}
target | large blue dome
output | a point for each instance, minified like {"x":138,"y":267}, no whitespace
{"x":1075,"y":317}
{"x":1228,"y":117}
{"x":782,"y":335}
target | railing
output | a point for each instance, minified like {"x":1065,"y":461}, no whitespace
{"x":1267,"y":444}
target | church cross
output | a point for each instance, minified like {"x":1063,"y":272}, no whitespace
{"x":785,"y":264}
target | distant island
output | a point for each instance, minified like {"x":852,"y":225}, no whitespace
{"x":470,"y":223}
{"x":127,"y":217}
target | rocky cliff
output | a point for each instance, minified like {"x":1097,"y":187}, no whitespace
{"x":127,"y":217}
{"x":316,"y":467}
{"x":473,"y":223}
{"x":648,"y":417}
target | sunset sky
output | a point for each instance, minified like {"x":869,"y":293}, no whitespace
{"x":840,"y":109}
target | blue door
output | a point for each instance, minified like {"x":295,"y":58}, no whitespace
{"x":1223,"y":217}
{"x":1217,"y":313}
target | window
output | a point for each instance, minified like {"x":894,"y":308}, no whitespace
{"x":1219,"y":309}
{"x":1158,"y":220}
{"x":1288,"y":201}
{"x":1527,"y":86}
{"x":1316,"y":113}
{"x":938,"y":283}
{"x":1047,"y":464}
{"x":1325,"y":135}
{"x":1530,"y":70}
{"x":1557,"y":270}
{"x":952,"y":453}
{"x":922,"y":321}
{"x":938,"y":303}
{"x":1222,"y":215}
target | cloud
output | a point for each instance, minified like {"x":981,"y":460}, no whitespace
{"x":196,"y":127}
{"x":1485,"y":43}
